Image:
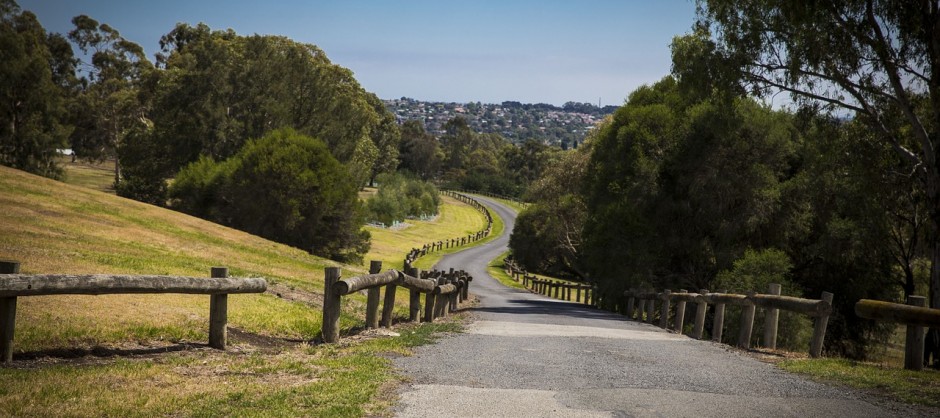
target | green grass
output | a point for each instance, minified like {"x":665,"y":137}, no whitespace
{"x":55,"y":227}
{"x":329,"y":380}
{"x":428,"y":261}
{"x":92,"y":175}
{"x":455,"y":220}
{"x":497,"y":270}
{"x":921,"y":387}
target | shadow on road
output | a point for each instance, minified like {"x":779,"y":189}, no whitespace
{"x":551,"y":308}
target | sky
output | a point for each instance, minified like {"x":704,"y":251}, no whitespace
{"x":531,"y":51}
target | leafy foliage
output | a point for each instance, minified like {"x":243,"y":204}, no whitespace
{"x":400,"y":197}
{"x":286,"y":187}
{"x":35,"y":78}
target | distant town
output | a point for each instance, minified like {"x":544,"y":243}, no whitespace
{"x":564,"y":126}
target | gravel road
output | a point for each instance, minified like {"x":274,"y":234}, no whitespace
{"x":526,"y":355}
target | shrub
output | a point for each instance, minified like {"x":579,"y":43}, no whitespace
{"x":286,"y":187}
{"x":755,"y":271}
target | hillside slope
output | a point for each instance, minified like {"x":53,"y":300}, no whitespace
{"x":145,"y":355}
{"x":52,"y":227}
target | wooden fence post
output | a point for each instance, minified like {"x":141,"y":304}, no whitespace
{"x":388,"y":308}
{"x":819,"y":330}
{"x":373,"y":296}
{"x":747,"y":324}
{"x":700,"y":309}
{"x":914,"y":344}
{"x":414,"y":304}
{"x":631,"y":304}
{"x":218,"y":313}
{"x":680,"y":313}
{"x":771,"y":318}
{"x":429,"y":307}
{"x":7,"y":315}
{"x":718,"y":323}
{"x":664,"y":310}
{"x":331,"y":306}
{"x":651,"y":309}
{"x":577,"y":296}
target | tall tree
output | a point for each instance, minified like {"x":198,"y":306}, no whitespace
{"x":35,"y":75}
{"x":866,"y":57}
{"x":114,"y":96}
{"x":419,"y":151}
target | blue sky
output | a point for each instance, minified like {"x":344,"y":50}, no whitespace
{"x":490,"y":51}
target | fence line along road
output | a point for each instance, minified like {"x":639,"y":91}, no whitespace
{"x":218,"y":286}
{"x":443,"y":291}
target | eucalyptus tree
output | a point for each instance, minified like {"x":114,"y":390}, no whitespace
{"x":115,"y":91}
{"x":873,"y":59}
{"x":36,"y":76}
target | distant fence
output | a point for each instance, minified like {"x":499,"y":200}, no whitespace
{"x":442,"y":294}
{"x":914,"y":314}
{"x":432,"y":247}
{"x":557,"y":289}
{"x":495,"y":196}
{"x":218,"y":286}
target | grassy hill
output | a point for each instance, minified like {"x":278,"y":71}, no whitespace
{"x":53,"y":227}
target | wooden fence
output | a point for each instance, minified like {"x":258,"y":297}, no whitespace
{"x":557,"y":289}
{"x":495,"y":196}
{"x":218,"y":286}
{"x":641,"y":305}
{"x":915,"y":315}
{"x":431,"y":247}
{"x":442,"y":294}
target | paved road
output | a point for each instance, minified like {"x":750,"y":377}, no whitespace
{"x":527,"y":355}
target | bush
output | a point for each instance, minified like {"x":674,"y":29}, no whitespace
{"x":400,"y":197}
{"x":286,"y":187}
{"x":755,"y":271}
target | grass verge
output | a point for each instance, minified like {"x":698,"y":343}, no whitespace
{"x":348,"y":380}
{"x":428,"y":261}
{"x":922,"y":388}
{"x":456,"y":219}
{"x":497,"y":270}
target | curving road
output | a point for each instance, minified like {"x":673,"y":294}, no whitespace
{"x":527,"y":355}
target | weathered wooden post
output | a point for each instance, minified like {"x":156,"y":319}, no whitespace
{"x":700,"y":308}
{"x":651,"y":308}
{"x":373,"y":296}
{"x":429,"y":302}
{"x":577,"y":296}
{"x":664,"y":309}
{"x":641,"y":316}
{"x":414,"y":304}
{"x":771,"y":318}
{"x":680,"y":313}
{"x":718,"y":323}
{"x":331,"y":306}
{"x":218,"y":312}
{"x":914,"y":344}
{"x":7,"y":315}
{"x":388,"y":308}
{"x":747,"y":324}
{"x":631,"y":304}
{"x":557,"y":289}
{"x":819,"y":330}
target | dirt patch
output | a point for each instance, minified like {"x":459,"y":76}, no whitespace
{"x":292,"y":294}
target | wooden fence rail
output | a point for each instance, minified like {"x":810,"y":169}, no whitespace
{"x":443,"y":291}
{"x":551,"y":288}
{"x":772,"y":302}
{"x":218,"y":286}
{"x":915,"y":315}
